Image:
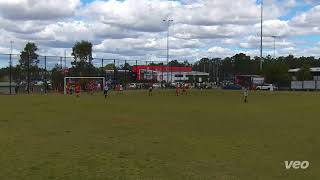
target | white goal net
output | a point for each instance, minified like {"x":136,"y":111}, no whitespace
{"x":87,"y":84}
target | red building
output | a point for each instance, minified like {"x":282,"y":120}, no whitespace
{"x":159,"y":72}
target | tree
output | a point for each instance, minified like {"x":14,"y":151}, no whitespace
{"x":57,"y":77}
{"x":82,"y":51}
{"x":201,"y":65}
{"x":156,"y":64}
{"x":244,"y":65}
{"x":304,"y":74}
{"x":29,"y":55}
{"x":225,"y":68}
{"x":126,"y":66}
{"x":276,"y":72}
{"x":29,"y":62}
{"x":82,"y":68}
{"x":82,"y":64}
{"x":109,"y":67}
{"x":175,"y":63}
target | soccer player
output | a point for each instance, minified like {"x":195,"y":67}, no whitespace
{"x":105,"y":91}
{"x":68,"y":88}
{"x":71,"y":88}
{"x":77,"y":90}
{"x":90,"y":87}
{"x":246,"y":94}
{"x":184,"y":89}
{"x":177,"y":89}
{"x":118,"y":89}
{"x":150,"y":90}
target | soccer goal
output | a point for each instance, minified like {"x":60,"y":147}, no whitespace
{"x":89,"y":83}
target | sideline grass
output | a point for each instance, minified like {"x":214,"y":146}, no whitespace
{"x":208,"y":135}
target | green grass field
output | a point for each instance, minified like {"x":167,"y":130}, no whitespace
{"x":211,"y":135}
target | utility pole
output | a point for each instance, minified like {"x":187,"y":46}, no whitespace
{"x":10,"y":67}
{"x":114,"y":73}
{"x":274,"y":46}
{"x":261,"y":43}
{"x":45,"y":74}
{"x":151,"y":63}
{"x":125,"y":74}
{"x":146,"y":71}
{"x":65,"y":59}
{"x":168,"y":21}
{"x":102,"y":68}
{"x":61,"y":63}
{"x":28,"y":72}
{"x":137,"y":73}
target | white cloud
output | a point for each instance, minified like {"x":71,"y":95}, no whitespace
{"x":291,"y":3}
{"x":135,"y":28}
{"x":275,"y":28}
{"x":220,"y":52}
{"x":308,"y":19}
{"x":131,"y":14}
{"x":37,"y":9}
{"x":25,"y":27}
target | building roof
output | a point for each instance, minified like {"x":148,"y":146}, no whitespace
{"x":250,"y":75}
{"x":200,"y":73}
{"x":161,"y":68}
{"x":197,"y":73}
{"x":314,"y":69}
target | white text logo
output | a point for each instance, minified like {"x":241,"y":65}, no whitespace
{"x":297,"y":164}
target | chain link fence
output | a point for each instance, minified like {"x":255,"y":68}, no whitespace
{"x":46,"y":74}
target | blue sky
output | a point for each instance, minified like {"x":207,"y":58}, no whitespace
{"x":134,"y":29}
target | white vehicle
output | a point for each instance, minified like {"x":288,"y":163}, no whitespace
{"x":173,"y":84}
{"x":156,"y":85}
{"x":133,"y":86}
{"x":38,"y":83}
{"x":269,"y":87}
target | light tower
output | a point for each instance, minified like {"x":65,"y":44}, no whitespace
{"x":168,"y":21}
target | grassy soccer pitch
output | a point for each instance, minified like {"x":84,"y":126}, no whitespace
{"x":210,"y":135}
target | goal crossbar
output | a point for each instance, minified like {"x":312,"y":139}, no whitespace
{"x":70,"y":77}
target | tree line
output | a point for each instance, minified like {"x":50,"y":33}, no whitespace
{"x":275,"y":70}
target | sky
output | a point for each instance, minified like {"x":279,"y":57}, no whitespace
{"x":134,"y":29}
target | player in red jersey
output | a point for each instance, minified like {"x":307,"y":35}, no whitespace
{"x":184,"y":89}
{"x":177,"y":89}
{"x":78,"y":90}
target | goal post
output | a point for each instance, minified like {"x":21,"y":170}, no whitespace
{"x":66,"y":79}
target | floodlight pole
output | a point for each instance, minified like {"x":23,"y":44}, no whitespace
{"x":102,"y":68}
{"x":137,"y":73}
{"x":261,"y":43}
{"x":61,"y":62}
{"x":10,"y":67}
{"x":125,"y":74}
{"x":146,"y":72}
{"x":28,"y":72}
{"x":274,"y":46}
{"x":65,"y":59}
{"x":151,"y":67}
{"x":10,"y":73}
{"x":45,"y":74}
{"x":168,"y":21}
{"x":114,"y":73}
